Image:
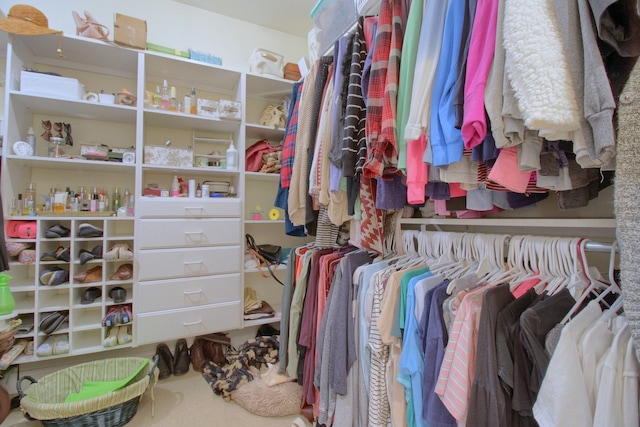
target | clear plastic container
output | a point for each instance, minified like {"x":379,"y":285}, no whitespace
{"x":56,"y":147}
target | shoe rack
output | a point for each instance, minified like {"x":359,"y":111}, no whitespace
{"x":188,"y":273}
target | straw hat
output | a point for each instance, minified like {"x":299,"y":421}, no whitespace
{"x":27,"y":20}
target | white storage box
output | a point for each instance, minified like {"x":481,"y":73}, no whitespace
{"x":48,"y":85}
{"x":157,"y":155}
{"x":208,"y":108}
{"x":230,"y":110}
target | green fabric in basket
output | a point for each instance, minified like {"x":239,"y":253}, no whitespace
{"x":91,"y":389}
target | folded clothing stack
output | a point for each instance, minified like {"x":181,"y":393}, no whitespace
{"x":254,"y":308}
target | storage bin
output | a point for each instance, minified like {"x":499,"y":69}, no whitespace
{"x":332,"y":18}
{"x":157,"y":155}
{"x":204,"y":57}
{"x":49,"y":85}
{"x":45,"y":400}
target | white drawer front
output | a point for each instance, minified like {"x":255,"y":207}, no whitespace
{"x":154,"y":264}
{"x":163,"y":207}
{"x":187,"y":292}
{"x":174,"y":324}
{"x":166,"y":233}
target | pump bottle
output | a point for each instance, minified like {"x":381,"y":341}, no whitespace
{"x":232,"y":157}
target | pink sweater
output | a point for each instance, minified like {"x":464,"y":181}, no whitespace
{"x":479,"y":59}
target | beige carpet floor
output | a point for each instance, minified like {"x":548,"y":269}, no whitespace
{"x":186,"y":400}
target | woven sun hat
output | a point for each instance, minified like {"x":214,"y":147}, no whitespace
{"x":28,"y":21}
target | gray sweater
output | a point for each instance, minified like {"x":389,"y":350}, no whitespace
{"x":594,"y":142}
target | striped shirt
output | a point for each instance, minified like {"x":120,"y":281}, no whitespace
{"x":379,"y":407}
{"x":458,"y":365}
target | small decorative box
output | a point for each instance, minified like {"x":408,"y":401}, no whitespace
{"x":94,"y":152}
{"x":230,"y":110}
{"x":156,"y":155}
{"x":208,"y":108}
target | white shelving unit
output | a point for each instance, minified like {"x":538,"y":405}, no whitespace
{"x":188,"y":253}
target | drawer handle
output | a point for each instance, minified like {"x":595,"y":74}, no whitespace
{"x":197,"y":233}
{"x":192,"y":262}
{"x":191,"y":323}
{"x":199,"y":291}
{"x":193,"y":208}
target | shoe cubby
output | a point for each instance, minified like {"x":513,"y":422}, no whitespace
{"x":87,"y":318}
{"x":86,"y":341}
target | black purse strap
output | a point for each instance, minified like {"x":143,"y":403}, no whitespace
{"x":251,"y":245}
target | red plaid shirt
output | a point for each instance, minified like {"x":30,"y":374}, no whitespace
{"x":382,"y":156}
{"x":289,"y":145}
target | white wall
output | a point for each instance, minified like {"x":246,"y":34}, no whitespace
{"x":177,"y":26}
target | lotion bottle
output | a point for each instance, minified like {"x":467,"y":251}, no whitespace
{"x":175,"y":187}
{"x":31,"y":140}
{"x":193,"y":102}
{"x":232,"y":157}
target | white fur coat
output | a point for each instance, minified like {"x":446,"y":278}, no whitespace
{"x":537,"y":67}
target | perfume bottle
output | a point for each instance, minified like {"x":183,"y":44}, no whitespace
{"x":157,"y":97}
{"x":164,"y":103}
{"x":193,"y":102}
{"x":173,"y":101}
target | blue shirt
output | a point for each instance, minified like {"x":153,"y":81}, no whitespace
{"x":445,"y":139}
{"x":412,"y":357}
{"x":435,"y":341}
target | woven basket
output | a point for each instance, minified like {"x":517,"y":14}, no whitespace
{"x":45,"y":400}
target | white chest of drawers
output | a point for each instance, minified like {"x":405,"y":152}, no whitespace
{"x":189,"y":263}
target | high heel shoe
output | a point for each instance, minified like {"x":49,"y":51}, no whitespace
{"x":89,"y":27}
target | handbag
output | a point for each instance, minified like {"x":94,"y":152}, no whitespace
{"x":273,"y":116}
{"x":263,"y":61}
{"x":211,"y":347}
{"x":253,"y":154}
{"x":267,"y":254}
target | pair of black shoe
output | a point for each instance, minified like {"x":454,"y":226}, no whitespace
{"x":176,"y":363}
